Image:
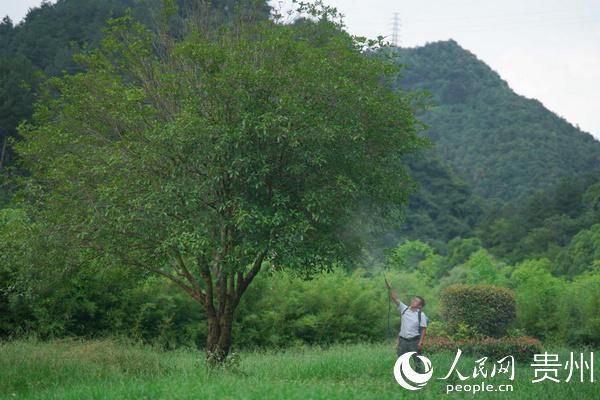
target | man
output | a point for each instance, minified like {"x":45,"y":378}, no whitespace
{"x":412,"y":328}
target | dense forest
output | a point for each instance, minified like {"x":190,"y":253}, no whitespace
{"x":507,"y":195}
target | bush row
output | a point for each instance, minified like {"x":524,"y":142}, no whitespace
{"x":521,"y":348}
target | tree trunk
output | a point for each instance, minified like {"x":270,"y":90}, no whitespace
{"x":218,"y":341}
{"x":220,"y":316}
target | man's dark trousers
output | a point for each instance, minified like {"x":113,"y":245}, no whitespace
{"x":408,"y":345}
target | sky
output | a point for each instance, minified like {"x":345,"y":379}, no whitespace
{"x":544,"y":49}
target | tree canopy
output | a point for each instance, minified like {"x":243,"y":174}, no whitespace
{"x":200,"y":158}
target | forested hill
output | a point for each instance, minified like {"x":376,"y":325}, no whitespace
{"x":506,"y":146}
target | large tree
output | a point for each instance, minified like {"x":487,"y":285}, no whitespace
{"x":205,"y":158}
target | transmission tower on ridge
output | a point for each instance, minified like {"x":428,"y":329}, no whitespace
{"x":396,"y":30}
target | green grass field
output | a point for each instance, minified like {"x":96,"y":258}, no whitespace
{"x":109,"y":369}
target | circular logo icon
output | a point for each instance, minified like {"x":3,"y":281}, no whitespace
{"x":407,"y":377}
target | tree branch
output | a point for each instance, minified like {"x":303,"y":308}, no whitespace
{"x":173,"y":278}
{"x":244,"y":281}
{"x":198,"y":292}
{"x":208,"y":299}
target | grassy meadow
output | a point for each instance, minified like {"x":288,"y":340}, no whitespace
{"x":112,"y":369}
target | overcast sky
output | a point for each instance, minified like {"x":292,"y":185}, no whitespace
{"x":544,"y":49}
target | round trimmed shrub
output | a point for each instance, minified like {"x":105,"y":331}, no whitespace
{"x":489,"y":310}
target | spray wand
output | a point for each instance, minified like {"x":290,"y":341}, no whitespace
{"x":389,"y":303}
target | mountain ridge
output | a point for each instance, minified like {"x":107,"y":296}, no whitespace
{"x":503,"y":144}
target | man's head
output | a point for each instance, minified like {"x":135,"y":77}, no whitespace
{"x":417,"y":302}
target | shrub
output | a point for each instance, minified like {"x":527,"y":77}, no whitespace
{"x":522,"y":348}
{"x":284,"y":309}
{"x":437,"y":344}
{"x":465,"y":331}
{"x":488,"y":310}
{"x":580,"y":321}
{"x":538,"y":294}
{"x":436,"y":328}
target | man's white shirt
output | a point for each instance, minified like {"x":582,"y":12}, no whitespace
{"x":409,"y":327}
